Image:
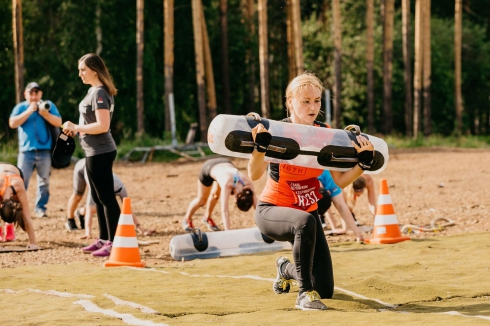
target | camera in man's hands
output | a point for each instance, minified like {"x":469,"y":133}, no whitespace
{"x":43,"y":105}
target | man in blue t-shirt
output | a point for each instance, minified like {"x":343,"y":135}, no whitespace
{"x":35,"y":140}
{"x":331,"y":192}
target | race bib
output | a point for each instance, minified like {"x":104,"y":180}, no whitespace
{"x":305,"y":192}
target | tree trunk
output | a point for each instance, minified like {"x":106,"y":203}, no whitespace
{"x":298,"y":38}
{"x":168,"y":13}
{"x":292,"y":71}
{"x":382,"y":11}
{"x":140,"y":6}
{"x":208,"y":65}
{"x":427,"y":70}
{"x":337,"y":89}
{"x":249,"y":57}
{"x":198,"y":49}
{"x":457,"y":65}
{"x":407,"y":61}
{"x":417,"y":75}
{"x":18,"y":38}
{"x":388,"y":66}
{"x":98,"y":29}
{"x":370,"y":63}
{"x":225,"y":62}
{"x":263,"y":59}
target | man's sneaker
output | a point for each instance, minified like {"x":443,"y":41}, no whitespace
{"x":310,"y":301}
{"x":41,"y":214}
{"x":81,"y":218}
{"x":187,"y":225}
{"x":104,"y":251}
{"x":210,"y":224}
{"x":1,"y":234}
{"x":281,"y":285}
{"x":71,"y":225}
{"x":93,"y":247}
{"x":9,"y":232}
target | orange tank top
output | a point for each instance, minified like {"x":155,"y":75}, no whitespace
{"x":7,"y":183}
{"x":293,"y":186}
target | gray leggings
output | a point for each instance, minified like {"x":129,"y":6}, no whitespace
{"x":312,"y":267}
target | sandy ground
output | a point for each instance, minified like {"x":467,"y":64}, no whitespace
{"x":425,"y":184}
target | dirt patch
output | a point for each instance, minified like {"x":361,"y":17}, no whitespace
{"x":425,"y":184}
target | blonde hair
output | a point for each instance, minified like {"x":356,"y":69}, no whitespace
{"x":301,"y":82}
{"x":94,"y":62}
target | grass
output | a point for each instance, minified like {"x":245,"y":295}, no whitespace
{"x":439,"y":141}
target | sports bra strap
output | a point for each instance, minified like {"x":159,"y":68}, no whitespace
{"x":236,"y":179}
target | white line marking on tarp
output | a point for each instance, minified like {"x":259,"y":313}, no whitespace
{"x":147,"y":270}
{"x":455,"y":313}
{"x":132,"y":305}
{"x":452,"y":313}
{"x":360,"y":296}
{"x":126,"y":318}
{"x":62,"y":294}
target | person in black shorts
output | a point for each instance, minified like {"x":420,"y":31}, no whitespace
{"x":219,"y":178}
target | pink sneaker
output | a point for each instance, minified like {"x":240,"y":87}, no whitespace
{"x":9,"y":232}
{"x":104,"y":251}
{"x":93,"y":247}
{"x":1,"y":234}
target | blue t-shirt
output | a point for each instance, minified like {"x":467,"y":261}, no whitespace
{"x":34,"y":133}
{"x":328,"y":183}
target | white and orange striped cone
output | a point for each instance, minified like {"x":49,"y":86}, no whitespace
{"x":386,"y":229}
{"x":125,"y":251}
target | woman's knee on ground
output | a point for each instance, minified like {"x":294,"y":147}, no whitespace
{"x":325,"y":291}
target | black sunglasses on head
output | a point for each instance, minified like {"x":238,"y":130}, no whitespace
{"x":34,"y":91}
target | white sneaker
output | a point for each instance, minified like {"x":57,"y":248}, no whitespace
{"x":41,"y":214}
{"x":310,"y":300}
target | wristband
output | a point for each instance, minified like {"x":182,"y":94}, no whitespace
{"x":363,"y":166}
{"x":365,"y":157}
{"x":262,"y":141}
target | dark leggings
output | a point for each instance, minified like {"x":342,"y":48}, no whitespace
{"x":99,"y":173}
{"x":312,"y":267}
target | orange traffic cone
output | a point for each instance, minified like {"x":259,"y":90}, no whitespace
{"x":125,"y":250}
{"x":386,"y":229}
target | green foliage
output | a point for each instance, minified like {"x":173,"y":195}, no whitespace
{"x":437,"y":140}
{"x":319,"y":49}
{"x":58,"y":32}
{"x":8,"y":151}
